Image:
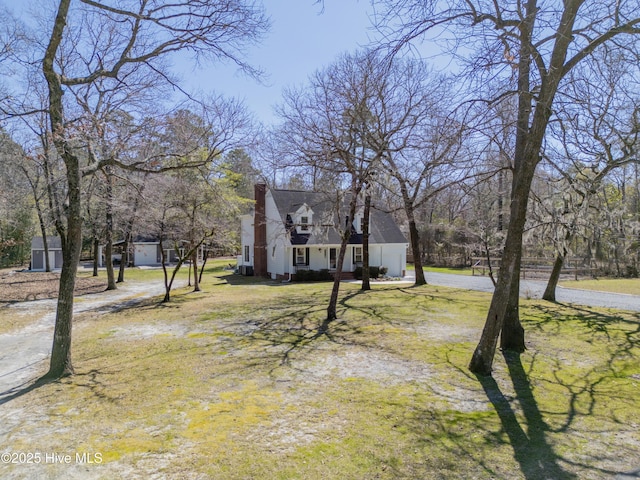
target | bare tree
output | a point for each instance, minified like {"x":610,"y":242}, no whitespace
{"x":526,"y":50}
{"x":90,"y":42}
{"x":595,"y":136}
{"x":328,"y":129}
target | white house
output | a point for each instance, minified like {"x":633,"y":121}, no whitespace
{"x":290,"y":230}
{"x":54,"y":246}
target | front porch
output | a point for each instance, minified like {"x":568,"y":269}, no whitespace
{"x":322,"y":258}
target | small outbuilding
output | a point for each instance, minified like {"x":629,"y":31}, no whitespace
{"x":38,"y":260}
{"x":144,"y":252}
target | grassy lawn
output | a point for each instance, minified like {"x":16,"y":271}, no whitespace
{"x":213,"y":266}
{"x":236,"y":383}
{"x":456,"y":271}
{"x":629,"y":286}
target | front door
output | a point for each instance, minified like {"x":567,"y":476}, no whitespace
{"x":333,"y":258}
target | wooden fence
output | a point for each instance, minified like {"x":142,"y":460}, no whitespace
{"x":534,"y":266}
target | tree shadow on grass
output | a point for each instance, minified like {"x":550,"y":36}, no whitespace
{"x":296,"y":331}
{"x":611,"y":324}
{"x":298,"y":326}
{"x":534,"y":454}
{"x":528,"y":436}
{"x":24,"y":388}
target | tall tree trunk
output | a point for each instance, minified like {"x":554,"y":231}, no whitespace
{"x":414,"y":235}
{"x":167,"y":281}
{"x":346,"y":234}
{"x":61,"y":364}
{"x":108,"y":262}
{"x":366,"y":283}
{"x":205,"y":256}
{"x":111,"y":279}
{"x":124,"y":259}
{"x":512,"y":331}
{"x":45,"y":245}
{"x":482,"y":359}
{"x":529,"y":139}
{"x":196,"y":278}
{"x":552,"y":284}
{"x":415,"y":251}
{"x":96,"y":254}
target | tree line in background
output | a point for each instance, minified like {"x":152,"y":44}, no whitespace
{"x":103,"y":140}
{"x":526,"y":147}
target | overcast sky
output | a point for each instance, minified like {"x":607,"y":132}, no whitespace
{"x":302,"y":39}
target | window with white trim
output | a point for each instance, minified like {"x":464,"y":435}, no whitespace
{"x":300,"y":256}
{"x":357,"y":255}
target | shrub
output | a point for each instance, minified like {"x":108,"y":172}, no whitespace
{"x":374,"y":272}
{"x":324,"y":275}
{"x":313,"y":275}
{"x":357,"y":273}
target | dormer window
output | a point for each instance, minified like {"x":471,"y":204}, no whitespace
{"x":303,"y":219}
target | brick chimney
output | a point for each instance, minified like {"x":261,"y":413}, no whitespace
{"x":260,"y":232}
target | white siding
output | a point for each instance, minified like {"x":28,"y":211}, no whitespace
{"x":394,"y":257}
{"x":375,"y":256}
{"x":318,"y":258}
{"x":145,"y":254}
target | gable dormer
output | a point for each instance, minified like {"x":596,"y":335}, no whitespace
{"x":303,"y":219}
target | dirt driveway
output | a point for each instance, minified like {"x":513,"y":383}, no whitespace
{"x":24,"y":352}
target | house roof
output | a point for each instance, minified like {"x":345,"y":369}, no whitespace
{"x":52,"y":243}
{"x":382,"y":228}
{"x":140,"y":239}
